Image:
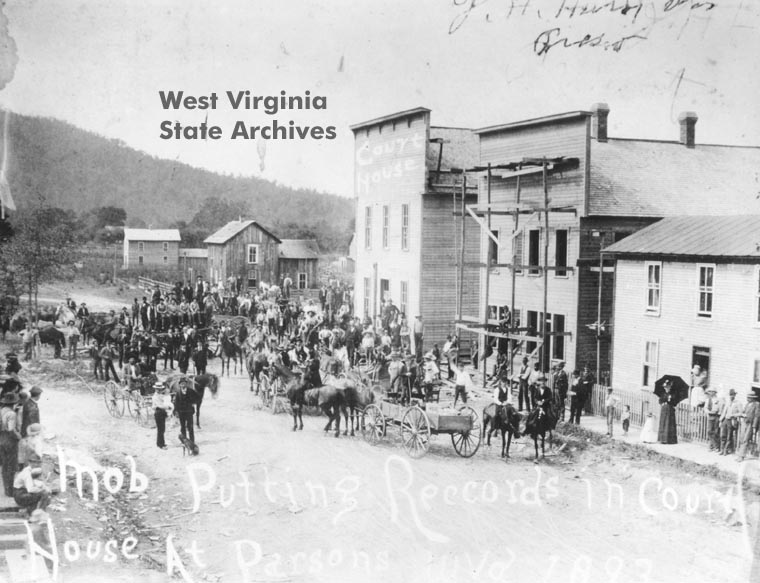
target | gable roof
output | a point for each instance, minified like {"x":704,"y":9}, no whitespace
{"x":651,"y":178}
{"x":152,"y":235}
{"x":231,"y":229}
{"x":701,"y":236}
{"x":299,"y":249}
{"x":398,"y":115}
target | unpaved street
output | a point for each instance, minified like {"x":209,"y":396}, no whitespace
{"x":262,"y":503}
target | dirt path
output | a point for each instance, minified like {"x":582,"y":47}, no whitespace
{"x":262,"y":503}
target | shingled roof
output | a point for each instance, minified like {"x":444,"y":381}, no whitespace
{"x":299,"y":249}
{"x":231,"y":229}
{"x":726,"y":237}
{"x":650,"y":178}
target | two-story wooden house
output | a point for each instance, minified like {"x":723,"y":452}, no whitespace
{"x":687,"y":291}
{"x":560,"y":190}
{"x":246,"y":250}
{"x":407,"y":188}
{"x":151,"y":248}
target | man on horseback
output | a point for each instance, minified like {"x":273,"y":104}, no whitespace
{"x":543,"y":396}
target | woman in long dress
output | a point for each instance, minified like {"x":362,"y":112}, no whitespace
{"x":668,"y":431}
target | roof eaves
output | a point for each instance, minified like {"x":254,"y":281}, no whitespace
{"x":389,"y":117}
{"x":534,"y":122}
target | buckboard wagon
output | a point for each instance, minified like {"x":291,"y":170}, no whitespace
{"x":417,"y":425}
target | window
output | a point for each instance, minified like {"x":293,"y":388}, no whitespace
{"x":253,"y":254}
{"x":166,"y":259}
{"x":303,"y":281}
{"x":139,"y":260}
{"x":517,"y":255}
{"x":558,"y":342}
{"x":140,"y":246}
{"x":493,"y":248}
{"x":757,"y":296}
{"x":386,"y":225}
{"x":534,"y":238}
{"x":706,"y":273}
{"x":654,"y":283}
{"x":368,"y":227}
{"x":560,"y":252}
{"x":367,"y":294}
{"x":253,"y":278}
{"x":166,"y":247}
{"x":756,"y":373}
{"x":405,"y":227}
{"x":532,"y":330}
{"x":650,"y":364}
{"x":404,"y":297}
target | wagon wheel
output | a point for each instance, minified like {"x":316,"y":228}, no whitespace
{"x":114,"y":399}
{"x":373,"y":424}
{"x":415,"y":432}
{"x":143,"y":413}
{"x":134,"y":404}
{"x":467,"y":442}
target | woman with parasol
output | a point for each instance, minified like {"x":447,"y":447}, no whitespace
{"x":670,"y":392}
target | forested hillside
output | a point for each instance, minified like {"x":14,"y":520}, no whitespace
{"x":76,"y":170}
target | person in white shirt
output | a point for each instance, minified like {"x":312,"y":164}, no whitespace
{"x":162,"y":408}
{"x":29,"y":490}
{"x":461,"y":380}
{"x":430,"y":374}
{"x":609,"y":408}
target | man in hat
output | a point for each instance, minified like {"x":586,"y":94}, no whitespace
{"x":107,"y":354}
{"x":9,"y":438}
{"x":750,"y":424}
{"x":712,"y":410}
{"x":730,"y":413}
{"x":28,"y":489}
{"x":73,"y":339}
{"x":396,"y":368}
{"x":461,"y":380}
{"x":560,"y":387}
{"x":542,"y":396}
{"x":83,"y":313}
{"x":162,"y":408}
{"x":200,"y":358}
{"x":430,"y":373}
{"x":524,"y":380}
{"x":419,"y":330}
{"x":184,"y":404}
{"x":30,"y":412}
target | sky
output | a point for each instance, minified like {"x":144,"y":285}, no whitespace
{"x":474,"y":63}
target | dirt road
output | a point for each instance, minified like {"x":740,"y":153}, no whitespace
{"x":262,"y":503}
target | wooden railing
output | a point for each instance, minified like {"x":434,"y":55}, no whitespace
{"x":691,"y":423}
{"x":148,"y":284}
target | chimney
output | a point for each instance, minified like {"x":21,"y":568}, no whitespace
{"x":687,"y":120}
{"x":599,"y":111}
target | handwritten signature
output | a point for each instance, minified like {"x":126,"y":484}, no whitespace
{"x":569,"y":9}
{"x":551,"y":38}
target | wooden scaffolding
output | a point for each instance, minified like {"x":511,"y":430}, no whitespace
{"x":497,"y":328}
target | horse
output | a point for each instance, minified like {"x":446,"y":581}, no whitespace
{"x":356,"y":396}
{"x":198,"y":385}
{"x":538,"y":424}
{"x":229,"y":350}
{"x":330,"y":400}
{"x":506,"y":420}
{"x":255,"y":363}
{"x":52,"y":336}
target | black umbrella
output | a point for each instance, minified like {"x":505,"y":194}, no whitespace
{"x":679,"y":388}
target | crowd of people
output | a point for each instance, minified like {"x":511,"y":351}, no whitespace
{"x":21,"y":440}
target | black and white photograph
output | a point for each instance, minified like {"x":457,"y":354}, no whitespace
{"x":433,"y":291}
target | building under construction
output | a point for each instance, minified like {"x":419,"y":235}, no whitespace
{"x":552,"y":193}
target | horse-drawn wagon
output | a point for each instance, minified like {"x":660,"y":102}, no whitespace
{"x":135,"y":398}
{"x":417,"y":424}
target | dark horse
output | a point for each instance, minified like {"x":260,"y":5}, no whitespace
{"x":255,"y":362}
{"x":229,"y":350}
{"x":538,"y":424}
{"x":199,"y":384}
{"x":357,"y":395}
{"x":330,"y":400}
{"x":506,"y":420}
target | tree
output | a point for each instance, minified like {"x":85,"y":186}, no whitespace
{"x":43,"y":242}
{"x":214,"y":213}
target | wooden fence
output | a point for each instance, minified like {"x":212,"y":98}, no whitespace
{"x":691,"y":423}
{"x":148,"y":284}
